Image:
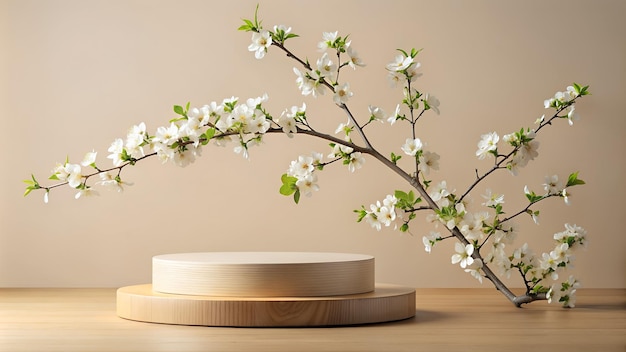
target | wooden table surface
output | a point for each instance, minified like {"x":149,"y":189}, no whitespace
{"x":446,"y":320}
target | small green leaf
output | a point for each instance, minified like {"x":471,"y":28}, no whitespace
{"x":395,"y":158}
{"x":28,"y":190}
{"x":584,"y":90}
{"x":209,"y":134}
{"x":289,"y":185}
{"x":573,"y":180}
{"x":580,"y":90}
{"x":362,"y":213}
{"x":296,"y":196}
{"x":286,"y":190}
{"x":403,"y":52}
{"x":532,"y":197}
{"x":179,"y":110}
{"x":411,"y":197}
{"x":400,"y":195}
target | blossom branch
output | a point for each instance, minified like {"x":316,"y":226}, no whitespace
{"x":247,"y":123}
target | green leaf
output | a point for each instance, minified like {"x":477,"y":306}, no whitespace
{"x":404,"y":52}
{"x":209,"y":134}
{"x":584,"y":90}
{"x":28,"y":190}
{"x":580,"y":90}
{"x":247,"y":26}
{"x":498,"y":209}
{"x":400,"y":195}
{"x":286,"y":190}
{"x":411,"y":198}
{"x":532,"y":197}
{"x":32,"y":184}
{"x":179,"y":110}
{"x":296,"y":196}
{"x":573,"y":180}
{"x":404,"y":227}
{"x":289,"y":185}
{"x":362,"y":213}
{"x":395,"y":158}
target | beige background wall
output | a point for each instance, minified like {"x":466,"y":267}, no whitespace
{"x":76,"y":74}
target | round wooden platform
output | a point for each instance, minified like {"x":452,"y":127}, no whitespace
{"x":263,"y":274}
{"x":385,"y":303}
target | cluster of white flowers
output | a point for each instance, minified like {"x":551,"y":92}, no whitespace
{"x":548,"y":266}
{"x":315,"y":81}
{"x":73,"y":175}
{"x":564,"y":293}
{"x":303,"y":170}
{"x":403,"y":67}
{"x":480,"y":227}
{"x":182,"y":140}
{"x":563,"y":99}
{"x":524,"y":144}
{"x":382,"y":213}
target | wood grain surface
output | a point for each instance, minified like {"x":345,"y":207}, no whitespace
{"x":263,"y":274}
{"x":79,"y":320}
{"x":385,"y":303}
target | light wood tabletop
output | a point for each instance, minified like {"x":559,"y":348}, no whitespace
{"x":77,"y":319}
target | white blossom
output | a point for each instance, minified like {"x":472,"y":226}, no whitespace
{"x":90,"y":158}
{"x":572,"y":115}
{"x":135,"y":139}
{"x":327,"y":67}
{"x":342,"y":94}
{"x":355,"y":59}
{"x":301,"y":167}
{"x":307,"y":184}
{"x":412,"y":146}
{"x":432,"y":102}
{"x":400,"y":63}
{"x":430,"y":240}
{"x":328,"y":38}
{"x":116,"y":149}
{"x":376,"y":113}
{"x":493,"y":199}
{"x":552,"y":185}
{"x":260,"y":42}
{"x":474,"y":270}
{"x":396,"y":115}
{"x":487,"y":144}
{"x":86,"y":192}
{"x":428,"y":161}
{"x":463,"y":254}
{"x":439,"y":191}
{"x":356,"y":161}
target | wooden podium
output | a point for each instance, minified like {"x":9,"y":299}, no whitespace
{"x":265,"y":289}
